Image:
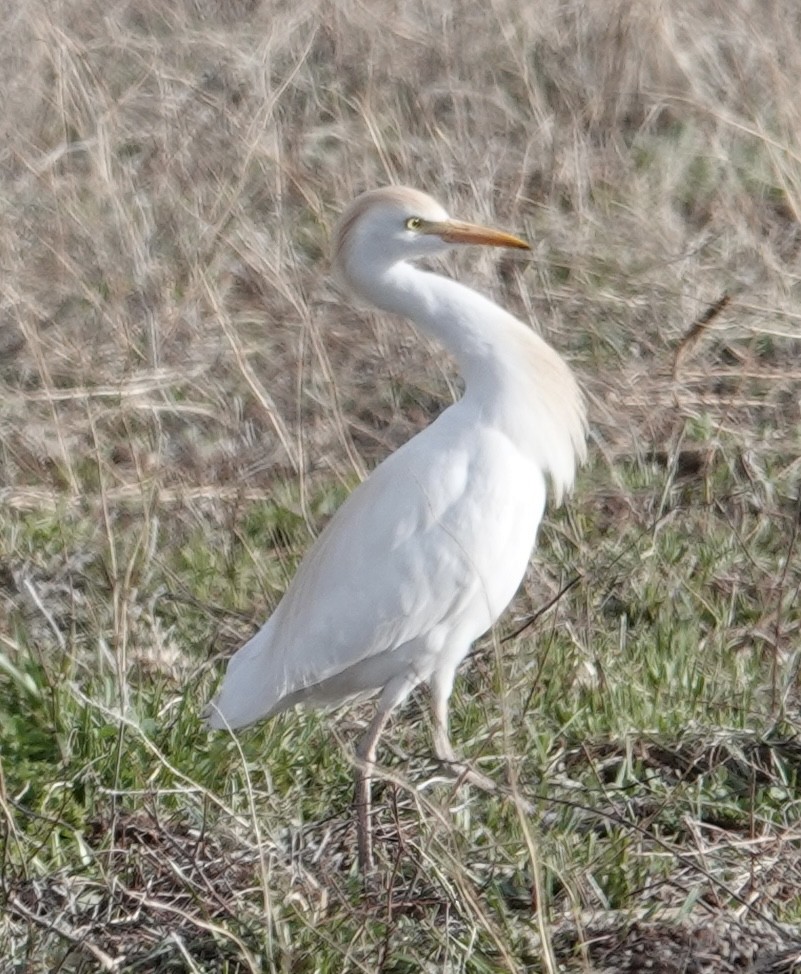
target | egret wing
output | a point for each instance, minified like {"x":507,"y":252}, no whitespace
{"x":384,"y":571}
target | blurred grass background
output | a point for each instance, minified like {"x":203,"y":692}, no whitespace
{"x":185,"y":398}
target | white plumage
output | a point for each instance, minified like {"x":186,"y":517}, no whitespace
{"x":423,"y":557}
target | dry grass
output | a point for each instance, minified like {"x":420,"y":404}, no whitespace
{"x":184,"y":398}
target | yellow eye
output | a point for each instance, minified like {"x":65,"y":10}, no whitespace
{"x":414,"y":223}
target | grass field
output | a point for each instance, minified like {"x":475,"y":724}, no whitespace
{"x":185,"y":398}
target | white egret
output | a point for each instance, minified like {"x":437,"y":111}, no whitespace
{"x":422,"y":557}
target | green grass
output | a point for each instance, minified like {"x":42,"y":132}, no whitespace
{"x":642,"y":716}
{"x":184,"y":402}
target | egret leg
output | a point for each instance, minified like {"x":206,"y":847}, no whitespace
{"x":393,"y":694}
{"x":365,"y":757}
{"x":441,"y":685}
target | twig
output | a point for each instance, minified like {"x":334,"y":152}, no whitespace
{"x":543,"y":609}
{"x":107,"y":963}
{"x":697,"y":328}
{"x":28,"y":585}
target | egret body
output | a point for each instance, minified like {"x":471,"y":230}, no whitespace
{"x":422,"y":557}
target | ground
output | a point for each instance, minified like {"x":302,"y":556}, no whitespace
{"x":185,"y":397}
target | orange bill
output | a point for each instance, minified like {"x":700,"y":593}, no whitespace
{"x":456,"y":232}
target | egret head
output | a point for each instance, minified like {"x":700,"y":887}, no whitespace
{"x":384,"y":226}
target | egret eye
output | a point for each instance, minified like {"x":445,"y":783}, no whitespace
{"x":414,"y":223}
